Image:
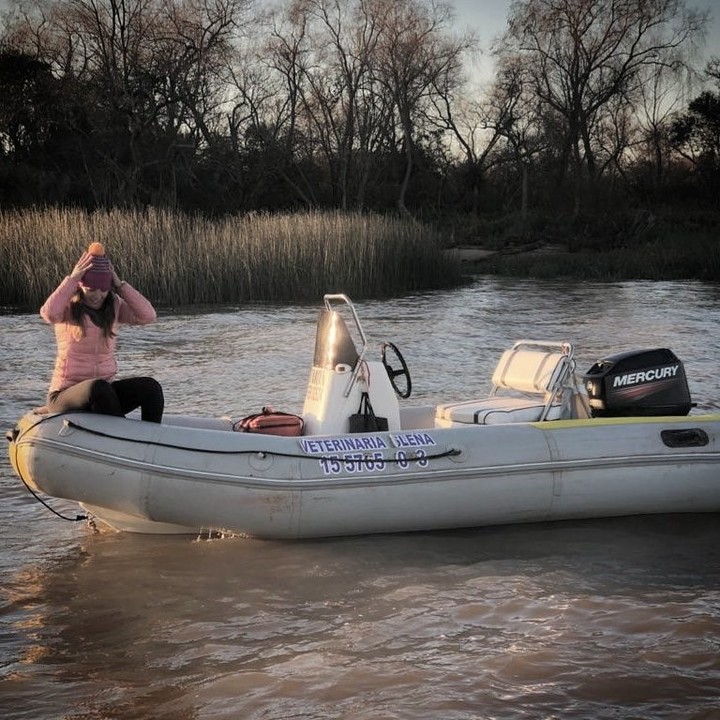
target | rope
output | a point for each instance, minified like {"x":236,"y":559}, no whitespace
{"x":77,"y":518}
{"x":447,"y":453}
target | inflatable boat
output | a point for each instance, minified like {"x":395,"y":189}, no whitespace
{"x":546,"y":444}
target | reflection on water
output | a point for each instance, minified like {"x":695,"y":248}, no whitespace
{"x":602,"y":619}
{"x":575,"y":618}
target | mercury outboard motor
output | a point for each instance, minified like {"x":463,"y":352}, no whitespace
{"x":638,"y":383}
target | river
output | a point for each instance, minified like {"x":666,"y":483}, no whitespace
{"x":615,"y":618}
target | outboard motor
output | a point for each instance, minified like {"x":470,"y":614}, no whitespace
{"x":638,"y":383}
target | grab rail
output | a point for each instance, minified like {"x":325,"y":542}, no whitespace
{"x":342,"y":298}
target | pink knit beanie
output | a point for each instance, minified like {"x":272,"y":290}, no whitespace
{"x":98,"y":277}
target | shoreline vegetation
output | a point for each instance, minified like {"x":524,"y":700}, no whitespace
{"x":638,"y":245}
{"x":179,"y":260}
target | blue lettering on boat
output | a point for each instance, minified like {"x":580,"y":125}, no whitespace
{"x":415,"y":439}
{"x":343,"y":444}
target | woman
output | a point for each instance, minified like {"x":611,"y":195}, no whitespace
{"x":86,"y":310}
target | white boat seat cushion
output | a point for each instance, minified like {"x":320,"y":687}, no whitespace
{"x":536,"y":370}
{"x":495,"y":410}
{"x":529,"y":370}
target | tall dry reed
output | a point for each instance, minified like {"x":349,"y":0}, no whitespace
{"x":178,"y":260}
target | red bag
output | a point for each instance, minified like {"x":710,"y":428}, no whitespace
{"x":271,"y":422}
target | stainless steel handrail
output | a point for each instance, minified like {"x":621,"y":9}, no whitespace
{"x":342,"y":298}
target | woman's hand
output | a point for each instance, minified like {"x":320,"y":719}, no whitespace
{"x":82,"y":266}
{"x":116,"y":281}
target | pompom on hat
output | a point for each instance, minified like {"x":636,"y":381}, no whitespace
{"x":99,"y":276}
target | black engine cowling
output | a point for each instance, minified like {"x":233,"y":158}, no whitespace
{"x":639,"y":382}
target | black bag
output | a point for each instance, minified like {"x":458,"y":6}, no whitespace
{"x":365,"y":419}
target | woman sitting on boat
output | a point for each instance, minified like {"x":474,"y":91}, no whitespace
{"x":86,"y":309}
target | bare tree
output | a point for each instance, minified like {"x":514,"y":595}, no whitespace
{"x":287,"y":55}
{"x":414,"y":51}
{"x":520,"y":122}
{"x":582,"y":56}
{"x":504,"y":116}
{"x":658,"y":99}
{"x":146,"y":76}
{"x":358,"y":80}
{"x":338,"y":96}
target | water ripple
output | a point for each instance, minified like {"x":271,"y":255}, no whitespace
{"x":608,"y":619}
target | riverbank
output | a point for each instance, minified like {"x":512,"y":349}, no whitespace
{"x":641,"y":246}
{"x":177,"y":259}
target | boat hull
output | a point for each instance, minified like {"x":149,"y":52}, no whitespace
{"x":142,"y":477}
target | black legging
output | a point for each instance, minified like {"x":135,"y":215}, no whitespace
{"x":112,"y":398}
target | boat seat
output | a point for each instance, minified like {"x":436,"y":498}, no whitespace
{"x":496,"y":410}
{"x":534,"y":373}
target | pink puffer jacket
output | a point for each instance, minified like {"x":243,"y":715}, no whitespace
{"x":91,"y":356}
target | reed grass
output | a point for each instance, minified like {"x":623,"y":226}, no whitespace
{"x":178,"y":260}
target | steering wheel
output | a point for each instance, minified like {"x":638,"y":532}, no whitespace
{"x":392,"y":374}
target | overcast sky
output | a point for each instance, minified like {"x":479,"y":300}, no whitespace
{"x":487,"y":19}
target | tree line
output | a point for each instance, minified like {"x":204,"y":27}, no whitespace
{"x":225,"y":106}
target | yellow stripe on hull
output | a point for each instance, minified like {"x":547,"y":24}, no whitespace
{"x":592,"y":422}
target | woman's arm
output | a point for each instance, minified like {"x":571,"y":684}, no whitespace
{"x":135,"y":308}
{"x":55,"y":307}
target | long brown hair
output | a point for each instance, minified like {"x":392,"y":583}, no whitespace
{"x":105,"y":315}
